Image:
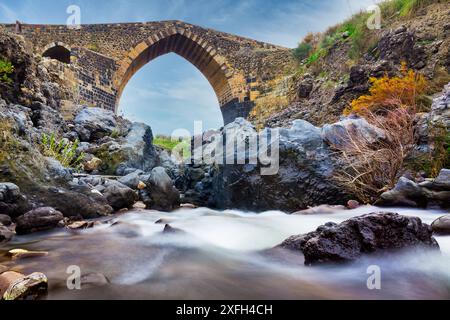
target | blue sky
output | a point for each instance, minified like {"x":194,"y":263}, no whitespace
{"x":169,"y":93}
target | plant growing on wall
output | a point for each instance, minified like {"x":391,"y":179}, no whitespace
{"x":6,"y":69}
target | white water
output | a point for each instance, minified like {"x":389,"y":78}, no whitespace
{"x":221,"y":256}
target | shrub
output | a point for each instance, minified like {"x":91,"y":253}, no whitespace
{"x":303,"y":51}
{"x":368,"y":169}
{"x":404,"y":91}
{"x":64,"y":152}
{"x":6,"y":69}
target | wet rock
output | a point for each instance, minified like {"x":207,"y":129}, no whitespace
{"x":57,"y":171}
{"x":442,"y":225}
{"x":38,"y":220}
{"x":12,"y":202}
{"x":353,"y":204}
{"x":323,"y":209}
{"x":188,"y":206}
{"x":17,"y":254}
{"x":303,"y":179}
{"x":5,"y":234}
{"x":423,"y":195}
{"x":139,"y":205}
{"x":133,"y":179}
{"x":3,"y":269}
{"x":81,"y":225}
{"x":168,"y":229}
{"x":5,"y":220}
{"x":119,"y":196}
{"x":92,"y":280}
{"x":362,"y":235}
{"x":16,"y":286}
{"x":160,"y":193}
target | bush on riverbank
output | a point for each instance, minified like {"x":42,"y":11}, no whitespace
{"x":368,"y":168}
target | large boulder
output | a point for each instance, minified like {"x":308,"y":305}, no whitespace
{"x":38,"y":220}
{"x":133,"y":151}
{"x":362,"y":235}
{"x":304,"y":178}
{"x":12,"y":202}
{"x":428,"y":194}
{"x":94,"y":123}
{"x":340,"y":134}
{"x":119,"y":196}
{"x":160,"y":193}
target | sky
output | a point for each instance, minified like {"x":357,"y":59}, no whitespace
{"x":169,"y":93}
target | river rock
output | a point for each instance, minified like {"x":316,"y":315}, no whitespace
{"x":92,"y":164}
{"x":362,"y":235}
{"x":304,"y":178}
{"x":5,"y":234}
{"x":91,"y":280}
{"x":160,"y":193}
{"x":5,"y":220}
{"x":16,"y":286}
{"x":323,"y":209}
{"x":442,"y":225}
{"x":12,"y":202}
{"x":119,"y":196}
{"x":133,"y":179}
{"x":17,"y":254}
{"x":38,"y":220}
{"x":80,"y":225}
{"x":427,"y":194}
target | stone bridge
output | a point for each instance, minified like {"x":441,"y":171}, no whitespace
{"x":97,"y":61}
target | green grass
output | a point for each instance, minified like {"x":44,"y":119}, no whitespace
{"x":6,"y":69}
{"x":165,"y":142}
{"x":302,"y":51}
{"x":61,"y":151}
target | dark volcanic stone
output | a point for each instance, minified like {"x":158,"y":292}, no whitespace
{"x":366,"y":234}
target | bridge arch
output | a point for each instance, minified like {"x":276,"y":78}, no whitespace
{"x":187,"y":45}
{"x":58,"y":51}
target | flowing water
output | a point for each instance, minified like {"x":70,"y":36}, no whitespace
{"x":223,"y":255}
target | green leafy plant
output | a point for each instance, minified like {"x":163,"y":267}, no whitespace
{"x":303,"y":51}
{"x":64,"y":152}
{"x":6,"y":69}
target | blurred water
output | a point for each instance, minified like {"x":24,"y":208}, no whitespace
{"x":221,"y":255}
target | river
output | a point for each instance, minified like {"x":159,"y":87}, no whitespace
{"x":222,"y":255}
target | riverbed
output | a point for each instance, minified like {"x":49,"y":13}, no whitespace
{"x":224,"y":255}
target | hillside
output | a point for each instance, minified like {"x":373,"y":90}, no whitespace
{"x":334,"y":68}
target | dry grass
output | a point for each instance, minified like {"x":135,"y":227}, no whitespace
{"x":265,"y":107}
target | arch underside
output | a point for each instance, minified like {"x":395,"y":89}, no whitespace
{"x":58,"y":52}
{"x":193,"y":52}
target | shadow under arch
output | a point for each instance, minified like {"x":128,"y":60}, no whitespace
{"x":187,"y":45}
{"x":58,"y":51}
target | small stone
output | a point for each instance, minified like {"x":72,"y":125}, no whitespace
{"x":323,"y":209}
{"x":17,"y":254}
{"x":442,"y":225}
{"x":168,"y":229}
{"x":5,"y":220}
{"x":353,"y":204}
{"x":93,"y":280}
{"x":81,"y":225}
{"x":139,"y":205}
{"x":188,"y":206}
{"x":16,"y":286}
{"x":141,"y":185}
{"x":93,"y":164}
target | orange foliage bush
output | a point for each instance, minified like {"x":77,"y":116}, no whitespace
{"x":390,"y":93}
